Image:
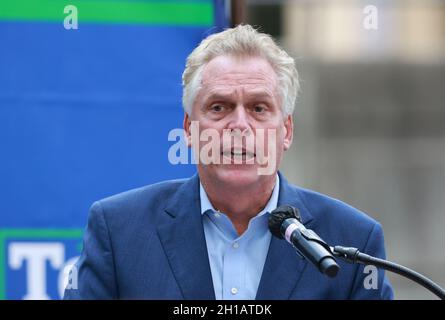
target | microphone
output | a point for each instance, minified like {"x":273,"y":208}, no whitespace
{"x":284,"y":222}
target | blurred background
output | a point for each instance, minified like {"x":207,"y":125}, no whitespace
{"x":370,"y":120}
{"x":85,"y":113}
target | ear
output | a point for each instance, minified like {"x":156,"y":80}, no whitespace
{"x":288,"y":132}
{"x":186,"y":124}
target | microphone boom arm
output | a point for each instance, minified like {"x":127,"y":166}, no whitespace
{"x":353,"y":255}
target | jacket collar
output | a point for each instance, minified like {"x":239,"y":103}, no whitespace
{"x":283,"y":267}
{"x":182,"y":236}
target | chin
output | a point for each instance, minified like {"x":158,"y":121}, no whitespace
{"x":239,"y":176}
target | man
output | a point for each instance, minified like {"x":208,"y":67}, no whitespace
{"x":207,"y":237}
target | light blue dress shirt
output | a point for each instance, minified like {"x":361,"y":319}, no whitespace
{"x":236,"y":262}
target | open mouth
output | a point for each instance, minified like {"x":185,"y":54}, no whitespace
{"x":239,"y":156}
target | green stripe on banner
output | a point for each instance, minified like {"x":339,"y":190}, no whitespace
{"x":108,"y":11}
{"x":27,"y":234}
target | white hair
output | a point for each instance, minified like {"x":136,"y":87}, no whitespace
{"x":243,"y":40}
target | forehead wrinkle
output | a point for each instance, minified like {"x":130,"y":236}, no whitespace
{"x":250,"y":86}
{"x":239,"y":78}
{"x":225,"y":80}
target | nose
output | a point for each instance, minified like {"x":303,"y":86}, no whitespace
{"x":239,"y":119}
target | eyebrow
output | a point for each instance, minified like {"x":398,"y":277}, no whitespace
{"x":256,"y":95}
{"x":219,"y":96}
{"x":260,"y":95}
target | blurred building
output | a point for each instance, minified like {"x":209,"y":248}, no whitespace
{"x":369,"y":124}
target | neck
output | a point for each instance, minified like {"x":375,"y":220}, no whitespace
{"x":240,"y":204}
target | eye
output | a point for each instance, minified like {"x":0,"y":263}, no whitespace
{"x":217,"y":108}
{"x":259,"y":108}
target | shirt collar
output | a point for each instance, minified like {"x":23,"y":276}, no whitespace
{"x":271,"y":205}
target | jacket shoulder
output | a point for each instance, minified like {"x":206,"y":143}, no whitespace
{"x":320,"y":204}
{"x":149,"y":198}
{"x":335,"y":217}
{"x":339,"y":223}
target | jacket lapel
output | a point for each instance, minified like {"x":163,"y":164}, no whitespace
{"x":284,"y":266}
{"x":182,"y":236}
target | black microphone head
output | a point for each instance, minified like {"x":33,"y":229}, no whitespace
{"x":277,"y":217}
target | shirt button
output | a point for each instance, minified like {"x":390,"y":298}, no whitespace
{"x":235,"y":245}
{"x":217,"y":215}
{"x":234,"y":290}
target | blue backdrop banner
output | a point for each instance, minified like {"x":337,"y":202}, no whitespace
{"x":85,"y":112}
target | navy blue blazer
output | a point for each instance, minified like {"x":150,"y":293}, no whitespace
{"x":149,"y":243}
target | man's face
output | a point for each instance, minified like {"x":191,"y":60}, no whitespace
{"x":240,"y":95}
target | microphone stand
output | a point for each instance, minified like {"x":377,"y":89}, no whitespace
{"x":353,"y":255}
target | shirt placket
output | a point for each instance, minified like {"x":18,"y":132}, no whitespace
{"x":233,"y":271}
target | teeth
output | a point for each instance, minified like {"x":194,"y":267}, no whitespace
{"x":238,"y":154}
